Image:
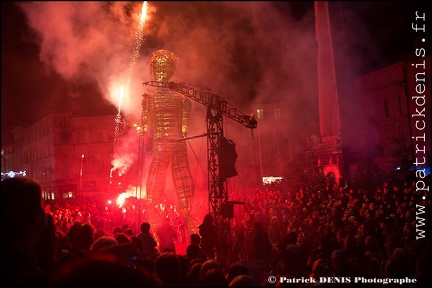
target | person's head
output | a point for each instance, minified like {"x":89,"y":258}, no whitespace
{"x":99,"y":233}
{"x":194,"y":273}
{"x":243,"y":281}
{"x":338,"y":259}
{"x":214,"y":277}
{"x":145,"y":227}
{"x":167,"y":268}
{"x":80,"y":237}
{"x":103,"y":243}
{"x":340,"y":234}
{"x":117,"y":229}
{"x":371,"y":243}
{"x":195,"y":239}
{"x":129,"y":232}
{"x":22,"y":208}
{"x":122,"y":238}
{"x":208,"y":219}
{"x":400,"y":255}
{"x":235,"y":270}
{"x":321,"y":268}
{"x":291,"y":238}
{"x":192,"y":251}
{"x":257,"y":226}
{"x":207,"y":265}
{"x":162,"y":65}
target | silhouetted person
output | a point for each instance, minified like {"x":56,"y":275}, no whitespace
{"x":238,"y":248}
{"x":166,"y":235}
{"x":321,"y":268}
{"x":399,"y":265}
{"x":236,"y":269}
{"x":294,"y":256}
{"x":103,"y":243}
{"x":47,"y":251}
{"x":193,"y":251}
{"x":338,"y":263}
{"x":358,"y":263}
{"x":117,"y":229}
{"x":24,"y":221}
{"x":195,"y":239}
{"x":129,"y":232}
{"x":122,"y":238}
{"x":263,"y":247}
{"x":323,"y":251}
{"x":80,"y":239}
{"x":147,"y":240}
{"x":208,"y":233}
{"x":214,"y":277}
{"x":99,"y":233}
{"x":193,"y":276}
{"x":168,"y":270}
{"x":243,"y":281}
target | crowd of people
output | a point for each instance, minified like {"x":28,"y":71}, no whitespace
{"x":336,"y":232}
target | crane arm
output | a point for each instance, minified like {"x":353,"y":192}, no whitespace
{"x":209,"y":100}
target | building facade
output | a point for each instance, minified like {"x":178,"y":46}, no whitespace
{"x":70,"y":156}
{"x":396,"y":103}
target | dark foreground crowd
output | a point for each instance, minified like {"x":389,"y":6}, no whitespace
{"x":300,"y":237}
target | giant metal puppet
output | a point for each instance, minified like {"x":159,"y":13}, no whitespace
{"x":168,"y":113}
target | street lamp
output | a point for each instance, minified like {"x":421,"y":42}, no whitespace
{"x":138,"y":188}
{"x":260,"y":116}
{"x":81,"y":173}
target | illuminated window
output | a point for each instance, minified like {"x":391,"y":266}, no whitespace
{"x":260,"y":114}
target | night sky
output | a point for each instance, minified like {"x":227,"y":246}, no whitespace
{"x":59,"y":56}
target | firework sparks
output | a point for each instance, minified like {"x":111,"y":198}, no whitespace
{"x":119,"y":127}
{"x":120,"y":121}
{"x":138,"y":39}
{"x":138,"y":42}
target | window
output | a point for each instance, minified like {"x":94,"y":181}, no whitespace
{"x":79,"y":137}
{"x":277,"y":113}
{"x":64,"y":137}
{"x":260,"y":114}
{"x":400,"y":106}
{"x":63,"y":121}
{"x":386,"y":109}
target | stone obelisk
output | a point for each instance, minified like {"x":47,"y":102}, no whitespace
{"x":339,"y":114}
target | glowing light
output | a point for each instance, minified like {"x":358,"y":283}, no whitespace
{"x":12,"y":174}
{"x":121,"y":96}
{"x":120,"y":121}
{"x":124,"y":92}
{"x":121,"y":199}
{"x":138,"y":42}
{"x":143,"y":12}
{"x":123,"y":196}
{"x":271,"y":179}
{"x":137,"y":128}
